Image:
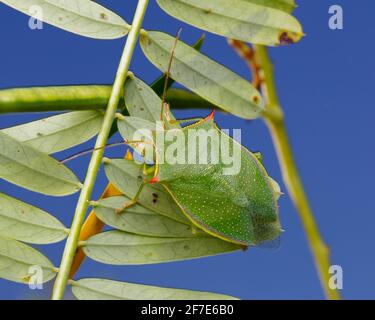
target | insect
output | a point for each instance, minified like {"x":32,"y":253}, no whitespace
{"x":239,"y":207}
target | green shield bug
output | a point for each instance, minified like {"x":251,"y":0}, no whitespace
{"x":239,"y":207}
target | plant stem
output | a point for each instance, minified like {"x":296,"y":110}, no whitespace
{"x":93,"y":225}
{"x":55,"y":98}
{"x":81,"y":97}
{"x":83,"y":202}
{"x":274,"y":118}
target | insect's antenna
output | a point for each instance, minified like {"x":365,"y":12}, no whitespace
{"x":167,"y":74}
{"x":82,"y":153}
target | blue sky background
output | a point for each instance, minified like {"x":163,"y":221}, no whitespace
{"x":326,"y":87}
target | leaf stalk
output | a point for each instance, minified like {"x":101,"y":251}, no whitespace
{"x":83,"y":201}
{"x":274,"y":118}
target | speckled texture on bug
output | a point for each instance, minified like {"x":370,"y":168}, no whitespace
{"x":240,"y":208}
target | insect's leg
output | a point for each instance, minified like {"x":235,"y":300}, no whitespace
{"x":168,"y":119}
{"x":210,"y":116}
{"x":165,"y":110}
{"x":82,"y":153}
{"x":185,"y":120}
{"x":133,"y":201}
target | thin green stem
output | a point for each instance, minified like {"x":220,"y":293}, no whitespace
{"x":83,"y":202}
{"x":274,"y":118}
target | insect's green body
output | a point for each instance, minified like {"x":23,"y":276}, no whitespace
{"x":240,"y":208}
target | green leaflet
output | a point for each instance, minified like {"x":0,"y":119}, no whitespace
{"x":183,"y":99}
{"x":128,"y":126}
{"x":205,"y":77}
{"x":138,"y":129}
{"x":103,"y":289}
{"x":82,"y":17}
{"x":127,"y":176}
{"x":58,"y":133}
{"x":134,"y":129}
{"x":159,"y":84}
{"x":141,"y":101}
{"x":18,"y":262}
{"x":284,"y":5}
{"x":139,"y":220}
{"x":251,"y":21}
{"x":24,"y":222}
{"x":121,"y":248}
{"x":29,"y":168}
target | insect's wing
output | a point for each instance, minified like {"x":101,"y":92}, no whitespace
{"x":245,"y":218}
{"x":239,"y":207}
{"x":273,"y":245}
